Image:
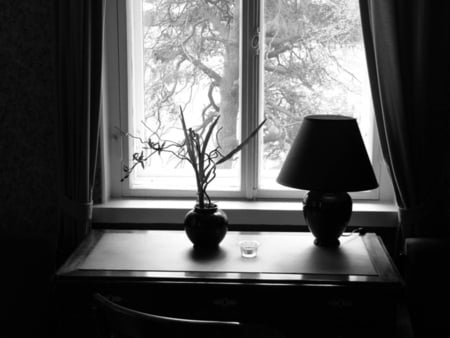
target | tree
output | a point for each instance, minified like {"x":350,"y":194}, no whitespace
{"x":192,"y":47}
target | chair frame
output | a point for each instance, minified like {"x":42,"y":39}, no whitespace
{"x":120,"y":320}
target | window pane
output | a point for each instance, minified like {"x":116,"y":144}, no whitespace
{"x":186,"y":55}
{"x":314,"y":63}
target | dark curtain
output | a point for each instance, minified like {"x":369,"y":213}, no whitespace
{"x":79,"y":56}
{"x":407,"y":51}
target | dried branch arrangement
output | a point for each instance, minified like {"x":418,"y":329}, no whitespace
{"x":194,"y":149}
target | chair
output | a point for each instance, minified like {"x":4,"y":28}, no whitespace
{"x":114,"y":320}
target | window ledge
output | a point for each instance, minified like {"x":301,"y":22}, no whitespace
{"x":146,"y":211}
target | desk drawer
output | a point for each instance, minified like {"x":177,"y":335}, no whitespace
{"x":318,"y":310}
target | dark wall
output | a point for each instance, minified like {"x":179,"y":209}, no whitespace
{"x":27,"y":116}
{"x":28,"y":215}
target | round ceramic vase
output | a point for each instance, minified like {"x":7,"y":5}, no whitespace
{"x":206,"y":227}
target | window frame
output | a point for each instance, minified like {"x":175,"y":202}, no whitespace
{"x":116,"y":102}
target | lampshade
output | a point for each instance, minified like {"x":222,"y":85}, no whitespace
{"x":328,"y":155}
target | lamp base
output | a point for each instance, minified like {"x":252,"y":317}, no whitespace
{"x":330,"y":243}
{"x":327,"y":215}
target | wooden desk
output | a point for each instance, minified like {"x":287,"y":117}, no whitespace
{"x":293,"y":284}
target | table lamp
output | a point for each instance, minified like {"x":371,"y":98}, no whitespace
{"x":328,"y":158}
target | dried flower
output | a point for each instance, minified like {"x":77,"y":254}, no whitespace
{"x":193,"y":149}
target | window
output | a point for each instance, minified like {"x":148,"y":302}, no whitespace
{"x":243,"y":59}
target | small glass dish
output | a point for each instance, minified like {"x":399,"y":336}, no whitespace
{"x":249,"y":248}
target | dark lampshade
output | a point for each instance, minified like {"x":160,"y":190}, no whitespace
{"x":328,"y":155}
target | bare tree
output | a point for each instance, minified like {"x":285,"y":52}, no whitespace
{"x":193,"y":44}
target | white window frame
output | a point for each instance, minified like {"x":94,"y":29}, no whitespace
{"x":117,"y":89}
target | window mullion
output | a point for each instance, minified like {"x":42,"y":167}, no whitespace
{"x":250,"y":93}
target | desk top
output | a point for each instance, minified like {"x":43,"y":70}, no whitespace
{"x":283,"y":257}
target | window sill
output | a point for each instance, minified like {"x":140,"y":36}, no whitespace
{"x":145,"y":211}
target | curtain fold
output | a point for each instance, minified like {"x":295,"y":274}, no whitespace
{"x":403,"y":65}
{"x":79,"y":64}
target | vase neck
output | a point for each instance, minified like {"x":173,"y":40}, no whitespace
{"x":208,"y":208}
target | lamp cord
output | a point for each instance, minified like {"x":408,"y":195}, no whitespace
{"x":359,"y":230}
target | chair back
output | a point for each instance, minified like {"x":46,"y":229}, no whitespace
{"x":117,"y":321}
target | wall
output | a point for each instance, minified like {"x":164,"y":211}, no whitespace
{"x":27,"y":110}
{"x":28,"y":216}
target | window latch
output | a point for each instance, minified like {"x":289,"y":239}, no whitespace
{"x":255,"y":42}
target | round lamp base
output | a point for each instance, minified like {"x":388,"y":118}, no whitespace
{"x":327,"y":215}
{"x":331,"y":243}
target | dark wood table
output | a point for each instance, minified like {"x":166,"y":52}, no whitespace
{"x":351,"y":290}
